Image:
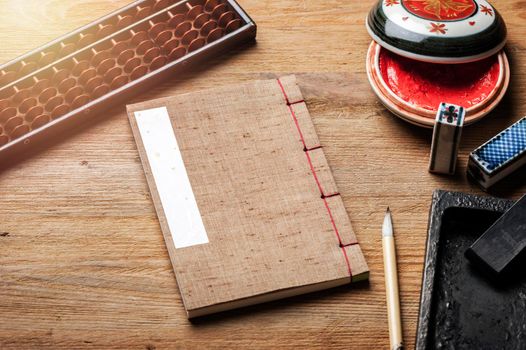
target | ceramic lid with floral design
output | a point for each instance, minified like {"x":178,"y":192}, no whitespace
{"x":439,"y":31}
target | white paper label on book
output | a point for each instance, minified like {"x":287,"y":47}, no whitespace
{"x":171,"y":179}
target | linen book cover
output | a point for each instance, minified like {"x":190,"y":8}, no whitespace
{"x":246,"y":200}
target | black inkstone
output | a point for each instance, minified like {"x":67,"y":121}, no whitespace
{"x":460,"y":308}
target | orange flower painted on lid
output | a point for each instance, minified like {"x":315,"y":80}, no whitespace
{"x":391,"y":2}
{"x":439,"y":28}
{"x":441,"y":10}
{"x":486,"y":10}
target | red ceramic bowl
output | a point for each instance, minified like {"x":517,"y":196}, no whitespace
{"x":478,"y":86}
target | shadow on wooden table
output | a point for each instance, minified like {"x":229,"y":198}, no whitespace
{"x":283,"y":305}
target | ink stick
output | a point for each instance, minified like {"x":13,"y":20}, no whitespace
{"x":502,"y":243}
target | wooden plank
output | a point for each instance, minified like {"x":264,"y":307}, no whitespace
{"x":84,"y":264}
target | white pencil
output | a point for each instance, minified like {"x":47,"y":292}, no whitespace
{"x":391,"y":284}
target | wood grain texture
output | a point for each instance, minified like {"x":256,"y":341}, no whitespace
{"x":82,"y":260}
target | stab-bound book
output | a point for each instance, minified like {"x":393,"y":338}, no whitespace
{"x":246,"y":200}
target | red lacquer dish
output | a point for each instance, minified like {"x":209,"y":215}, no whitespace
{"x":413,"y":90}
{"x":428,"y":52}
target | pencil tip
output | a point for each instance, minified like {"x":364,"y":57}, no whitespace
{"x":387,"y":227}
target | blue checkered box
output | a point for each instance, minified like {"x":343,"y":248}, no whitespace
{"x":500,"y":156}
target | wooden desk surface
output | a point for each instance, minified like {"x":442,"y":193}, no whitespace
{"x":82,"y":260}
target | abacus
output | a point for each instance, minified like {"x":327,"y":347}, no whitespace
{"x":60,"y":84}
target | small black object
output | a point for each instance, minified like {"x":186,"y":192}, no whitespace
{"x":503,"y":243}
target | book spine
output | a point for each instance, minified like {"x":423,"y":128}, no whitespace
{"x":322,"y":174}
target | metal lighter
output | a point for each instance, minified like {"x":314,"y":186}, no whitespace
{"x":446,"y":138}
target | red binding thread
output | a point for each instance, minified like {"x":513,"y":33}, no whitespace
{"x":314,"y":173}
{"x":323,"y":196}
{"x":286,"y":96}
{"x":312,"y":148}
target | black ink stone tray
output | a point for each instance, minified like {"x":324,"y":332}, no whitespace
{"x":460,"y":307}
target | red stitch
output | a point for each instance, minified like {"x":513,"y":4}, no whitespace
{"x":298,"y":126}
{"x":330,"y":195}
{"x":297,"y":102}
{"x":348,"y":263}
{"x":314,"y":173}
{"x":286,"y":96}
{"x":284,"y":93}
{"x":312,"y":148}
{"x":324,"y":198}
{"x":333,"y":222}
